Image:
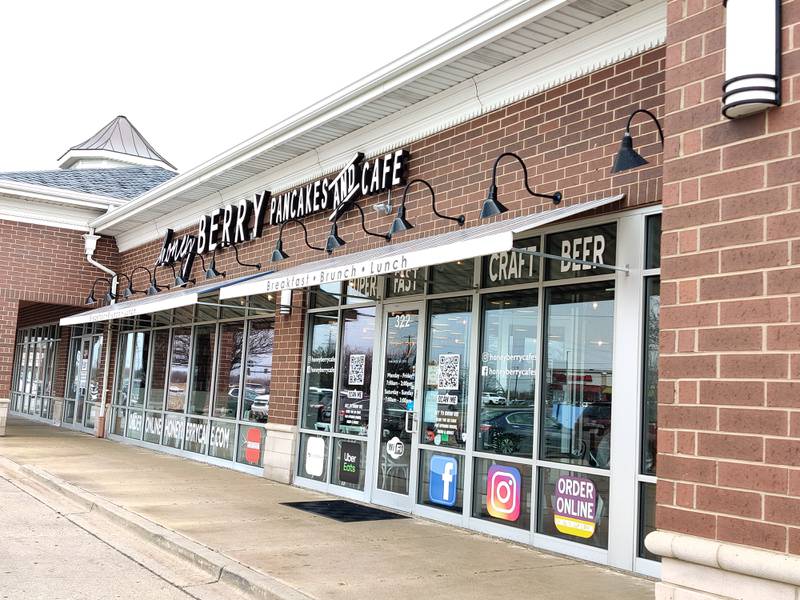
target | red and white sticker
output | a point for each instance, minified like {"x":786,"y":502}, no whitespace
{"x":252,"y":448}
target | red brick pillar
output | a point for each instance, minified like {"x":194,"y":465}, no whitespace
{"x":729,"y":395}
{"x":284,"y":400}
{"x":8,"y":338}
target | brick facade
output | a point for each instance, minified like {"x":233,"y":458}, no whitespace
{"x":729,"y":397}
{"x":45,"y":266}
{"x":567,"y":135}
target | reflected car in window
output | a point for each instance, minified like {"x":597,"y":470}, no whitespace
{"x":508,"y":432}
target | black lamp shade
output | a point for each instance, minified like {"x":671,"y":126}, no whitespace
{"x":400,"y":222}
{"x":211,"y":271}
{"x":627,"y":157}
{"x":334,"y":241}
{"x":278,"y":254}
{"x":491,"y":206}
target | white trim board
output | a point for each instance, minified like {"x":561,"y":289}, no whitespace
{"x":631,"y":31}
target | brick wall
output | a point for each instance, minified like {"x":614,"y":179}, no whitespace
{"x":567,"y":136}
{"x":43,"y":265}
{"x":729,"y":397}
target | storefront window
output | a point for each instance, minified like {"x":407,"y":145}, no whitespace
{"x":313,"y":456}
{"x":445,"y":402}
{"x":592,"y":244}
{"x":258,"y":371}
{"x":647,"y":517}
{"x":158,"y":368}
{"x":325,"y":295}
{"x":196,"y":435}
{"x":251,"y":445}
{"x":202,"y":369}
{"x":139,"y":368}
{"x":355,"y":371}
{"x":405,"y":283}
{"x":653,"y":236}
{"x":179,"y":369}
{"x":229,"y":369}
{"x":573,"y":506}
{"x":451,"y":277}
{"x":512,"y":268}
{"x":576,"y":412}
{"x":347,"y":468}
{"x":441,"y":480}
{"x":502,"y":493}
{"x":361,"y":289}
{"x":123,"y":370}
{"x":221,"y":439}
{"x":650,"y":386}
{"x":508,"y":373}
{"x":173,"y":430}
{"x":320,"y":370}
{"x":153,"y":426}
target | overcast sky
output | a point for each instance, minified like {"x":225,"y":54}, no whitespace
{"x":194,"y":77}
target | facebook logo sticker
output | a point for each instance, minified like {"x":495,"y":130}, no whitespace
{"x":443,"y":480}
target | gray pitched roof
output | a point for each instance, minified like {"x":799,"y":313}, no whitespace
{"x":124,"y":183}
{"x":122,"y":137}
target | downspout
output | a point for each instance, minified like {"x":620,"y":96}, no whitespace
{"x":90,"y":245}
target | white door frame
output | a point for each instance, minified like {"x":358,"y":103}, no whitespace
{"x":401,"y":502}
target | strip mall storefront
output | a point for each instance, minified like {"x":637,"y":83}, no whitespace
{"x":483,"y":391}
{"x":441,"y":291}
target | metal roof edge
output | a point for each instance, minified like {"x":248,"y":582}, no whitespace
{"x":58,"y":195}
{"x":496,"y":21}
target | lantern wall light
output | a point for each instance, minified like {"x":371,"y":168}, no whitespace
{"x":752,"y":57}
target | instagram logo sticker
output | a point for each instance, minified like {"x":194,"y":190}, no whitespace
{"x":503,"y":490}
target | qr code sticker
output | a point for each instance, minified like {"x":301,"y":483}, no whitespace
{"x":355,"y":375}
{"x":449,"y":367}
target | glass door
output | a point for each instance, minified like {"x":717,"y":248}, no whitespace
{"x":81,"y":380}
{"x":398,"y":411}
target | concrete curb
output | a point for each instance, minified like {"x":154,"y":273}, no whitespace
{"x":252,"y":583}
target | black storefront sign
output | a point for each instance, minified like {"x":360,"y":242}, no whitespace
{"x":350,"y":462}
{"x":359,"y":178}
{"x":593,"y":244}
{"x":244,"y":221}
{"x":513,"y":267}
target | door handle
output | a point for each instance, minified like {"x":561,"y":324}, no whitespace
{"x":409,"y":414}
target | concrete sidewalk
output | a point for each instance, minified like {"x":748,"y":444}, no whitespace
{"x":240,"y":516}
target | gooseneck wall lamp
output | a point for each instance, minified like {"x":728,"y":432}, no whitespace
{"x":153,"y":288}
{"x":334,"y":241}
{"x":627,"y":157}
{"x":255,"y":266}
{"x":129,"y":291}
{"x":492,"y":207}
{"x":400,"y":222}
{"x":109,"y":296}
{"x":211,"y":271}
{"x":752,"y":57}
{"x":278,"y":253}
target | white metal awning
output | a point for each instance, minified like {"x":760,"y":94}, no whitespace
{"x":152,"y":304}
{"x":439,"y":249}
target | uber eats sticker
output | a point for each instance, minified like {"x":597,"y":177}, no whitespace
{"x":350,"y":462}
{"x":576,"y":507}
